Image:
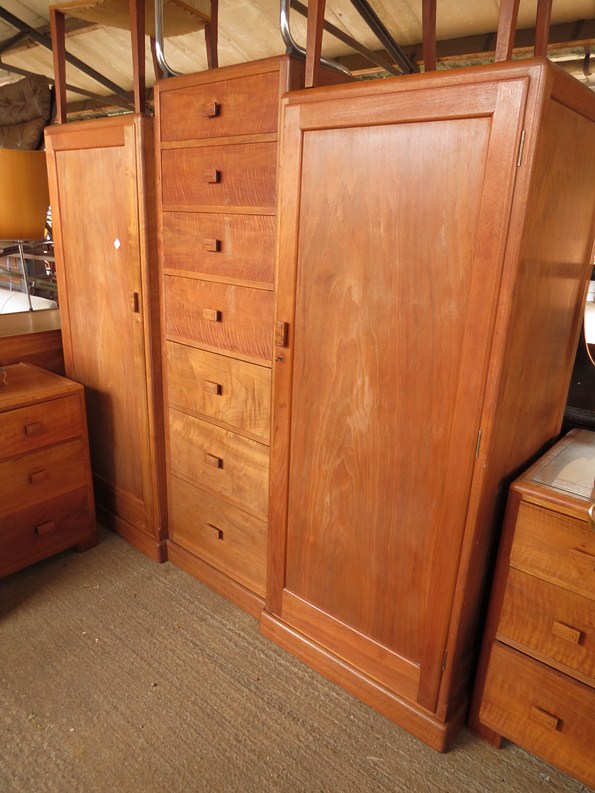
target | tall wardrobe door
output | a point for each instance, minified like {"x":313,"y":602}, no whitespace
{"x":101,"y":271}
{"x":397,"y":253}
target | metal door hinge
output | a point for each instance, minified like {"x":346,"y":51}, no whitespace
{"x":521,"y":147}
{"x":478,"y":444}
{"x":444,"y":660}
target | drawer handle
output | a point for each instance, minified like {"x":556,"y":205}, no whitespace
{"x":591,"y":514}
{"x":211,"y":246}
{"x":212,"y":388}
{"x":45,"y":528}
{"x":211,"y":314}
{"x":38,"y":476}
{"x":212,"y":176}
{"x":216,"y":530}
{"x":583,"y":559}
{"x":212,"y":459}
{"x":36,"y":428}
{"x":567,"y":632}
{"x":545,"y":719}
{"x":211,"y":109}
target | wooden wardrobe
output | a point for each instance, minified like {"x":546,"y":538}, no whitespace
{"x":434,"y":249}
{"x":102,"y":198}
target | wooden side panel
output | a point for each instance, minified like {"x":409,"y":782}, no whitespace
{"x":547,"y":262}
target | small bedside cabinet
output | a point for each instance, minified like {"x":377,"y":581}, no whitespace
{"x":46,"y":492}
{"x":536,"y":678}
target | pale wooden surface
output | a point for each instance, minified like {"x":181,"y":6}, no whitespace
{"x":102,"y":225}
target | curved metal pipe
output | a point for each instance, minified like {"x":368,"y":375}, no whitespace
{"x":295,"y":49}
{"x":159,"y":52}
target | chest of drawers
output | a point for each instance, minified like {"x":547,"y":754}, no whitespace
{"x":46,"y":502}
{"x":217,"y":155}
{"x":536,"y":682}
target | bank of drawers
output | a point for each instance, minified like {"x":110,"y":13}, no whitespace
{"x":218,"y":160}
{"x":540,"y":686}
{"x":47,"y":499}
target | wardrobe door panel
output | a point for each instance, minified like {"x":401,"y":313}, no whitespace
{"x":101,"y":260}
{"x":390,"y":306}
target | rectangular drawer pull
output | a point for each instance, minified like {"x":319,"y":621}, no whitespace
{"x":212,"y":459}
{"x":45,"y":528}
{"x":36,"y":428}
{"x":212,"y":388}
{"x":583,"y":559}
{"x":211,"y":314}
{"x":217,"y":531}
{"x":545,"y":719}
{"x":211,"y":109}
{"x":38,"y":476}
{"x":280,"y":334}
{"x":211,"y":246}
{"x":567,"y":632}
{"x":212,"y":176}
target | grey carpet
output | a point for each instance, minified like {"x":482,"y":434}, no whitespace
{"x":118,"y":674}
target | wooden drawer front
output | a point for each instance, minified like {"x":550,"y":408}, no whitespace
{"x":34,"y":426}
{"x":233,"y":392}
{"x":550,"y":621}
{"x":243,"y":175}
{"x":243,"y":106}
{"x":223,"y":462}
{"x":229,"y":539}
{"x":39,"y":476}
{"x":43,"y":530}
{"x":542,"y":710}
{"x":555,"y":547}
{"x":237,"y":247}
{"x":232,"y":318}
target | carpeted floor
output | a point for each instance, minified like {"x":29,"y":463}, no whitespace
{"x":120,"y":675}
